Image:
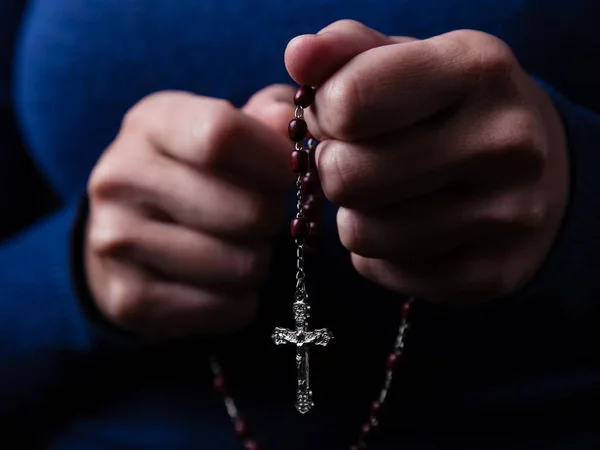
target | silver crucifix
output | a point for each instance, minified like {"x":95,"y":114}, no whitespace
{"x":302,"y":337}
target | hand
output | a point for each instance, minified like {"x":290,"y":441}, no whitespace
{"x":183,"y":205}
{"x":448,"y":162}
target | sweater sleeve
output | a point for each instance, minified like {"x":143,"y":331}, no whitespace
{"x":572,"y":268}
{"x":46,"y":337}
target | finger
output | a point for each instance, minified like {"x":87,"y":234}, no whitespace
{"x":176,"y":253}
{"x":312,"y":59}
{"x":402,"y":39}
{"x":465,"y":275}
{"x":226,"y":207}
{"x":158,"y":309}
{"x":428,"y":228}
{"x":394,"y":86}
{"x":476,"y":146}
{"x":273,"y":106}
{"x":211,"y":135}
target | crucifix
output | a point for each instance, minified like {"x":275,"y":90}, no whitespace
{"x":302,"y":337}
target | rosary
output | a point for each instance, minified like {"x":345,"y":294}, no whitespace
{"x":304,"y":230}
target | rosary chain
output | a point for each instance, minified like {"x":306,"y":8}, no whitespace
{"x":372,"y":421}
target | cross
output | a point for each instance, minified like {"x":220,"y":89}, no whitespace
{"x":302,"y":337}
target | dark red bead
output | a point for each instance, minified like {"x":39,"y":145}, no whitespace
{"x":365,"y":430}
{"x":300,"y":228}
{"x":299,"y":161}
{"x":297,"y":130}
{"x":252,"y":445}
{"x":311,"y":183}
{"x":241,"y":428}
{"x":304,"y":96}
{"x":392,"y":360}
{"x":311,"y":207}
{"x":405,"y":310}
{"x":353,"y":447}
{"x":375,"y":407}
{"x":219,"y":384}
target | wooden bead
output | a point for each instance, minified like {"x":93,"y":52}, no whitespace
{"x":299,"y":161}
{"x":310,"y":183}
{"x":300,"y":228}
{"x":365,"y":430}
{"x":375,"y":407}
{"x":311,"y":143}
{"x":405,"y":310}
{"x":252,"y":445}
{"x":297,"y":130}
{"x":219,"y":384}
{"x":392,"y":360}
{"x":241,"y":428}
{"x":304,"y":96}
{"x":311,"y":208}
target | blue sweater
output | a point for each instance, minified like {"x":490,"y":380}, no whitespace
{"x":523,"y":372}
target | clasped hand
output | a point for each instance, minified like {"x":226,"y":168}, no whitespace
{"x":448,"y":162}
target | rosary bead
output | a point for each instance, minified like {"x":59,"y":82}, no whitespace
{"x":299,"y":161}
{"x":365,"y":430}
{"x":311,"y":143}
{"x":305,"y":96}
{"x":311,"y":206}
{"x":310,"y":183}
{"x":300,"y":228}
{"x":392,"y":360}
{"x":241,"y":428}
{"x":252,"y":445}
{"x":297,"y":130}
{"x":219,"y":384}
{"x":375,"y":408}
{"x":405,"y":310}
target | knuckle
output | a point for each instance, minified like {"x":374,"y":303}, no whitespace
{"x":103,"y":182}
{"x":337,"y":173}
{"x":522,"y":141}
{"x":345,"y":24}
{"x":351,"y":231}
{"x":215,"y":133}
{"x":360,"y":234}
{"x":136,"y":117}
{"x":514,"y":140}
{"x":249,"y":266}
{"x":107,"y":238}
{"x":488,"y":58}
{"x":125,"y":300}
{"x":140,"y":116}
{"x":495,"y":62}
{"x":531,"y":214}
{"x":257,"y":216}
{"x":343,"y":99}
{"x":520,"y":212}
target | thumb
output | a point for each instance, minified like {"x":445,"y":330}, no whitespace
{"x":313,"y":58}
{"x":273,"y":106}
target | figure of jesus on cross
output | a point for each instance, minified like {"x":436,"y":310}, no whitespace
{"x":302,"y":337}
